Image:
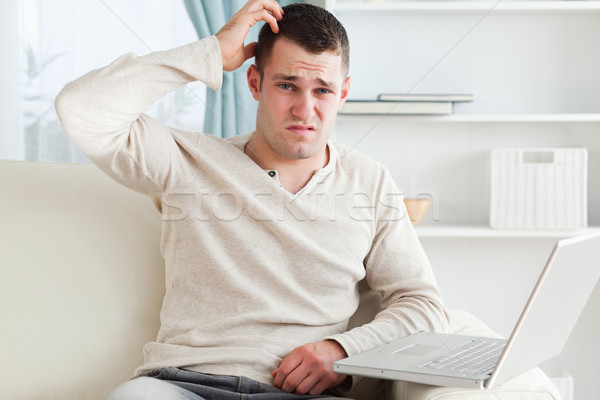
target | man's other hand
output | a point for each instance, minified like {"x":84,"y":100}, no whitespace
{"x":232,"y":35}
{"x":309,"y":368}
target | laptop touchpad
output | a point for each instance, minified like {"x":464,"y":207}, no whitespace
{"x":416,"y":350}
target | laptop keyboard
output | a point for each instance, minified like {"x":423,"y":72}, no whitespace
{"x":476,"y":357}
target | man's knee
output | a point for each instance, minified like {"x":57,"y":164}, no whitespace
{"x":144,"y":388}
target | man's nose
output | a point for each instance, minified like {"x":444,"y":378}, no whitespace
{"x":304,"y":106}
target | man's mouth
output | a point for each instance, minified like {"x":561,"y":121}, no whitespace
{"x":299,"y":129}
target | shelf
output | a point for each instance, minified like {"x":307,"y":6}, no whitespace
{"x":484,"y":231}
{"x":462,"y":6}
{"x":488,"y":117}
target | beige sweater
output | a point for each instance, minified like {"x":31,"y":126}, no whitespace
{"x":252,"y":271}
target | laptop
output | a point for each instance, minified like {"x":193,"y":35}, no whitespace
{"x":555,"y":304}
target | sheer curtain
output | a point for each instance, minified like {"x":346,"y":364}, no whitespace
{"x":60,"y":40}
{"x":11,"y":113}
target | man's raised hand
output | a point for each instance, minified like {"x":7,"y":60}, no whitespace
{"x":232,"y":35}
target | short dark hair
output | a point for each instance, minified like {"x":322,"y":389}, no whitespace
{"x":311,"y":27}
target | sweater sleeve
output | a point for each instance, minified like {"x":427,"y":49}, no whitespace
{"x":398,"y":269}
{"x":102,"y":113}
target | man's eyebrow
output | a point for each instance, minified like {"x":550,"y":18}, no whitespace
{"x":294,"y":78}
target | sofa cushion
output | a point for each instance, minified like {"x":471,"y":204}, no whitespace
{"x":531,"y":385}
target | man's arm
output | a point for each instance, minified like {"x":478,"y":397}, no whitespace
{"x":399,"y":270}
{"x":397,"y":267}
{"x":103,"y":110}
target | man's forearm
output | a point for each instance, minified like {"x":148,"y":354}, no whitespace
{"x":401,"y":318}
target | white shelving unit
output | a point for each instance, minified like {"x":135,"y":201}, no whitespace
{"x":484,"y":231}
{"x":532,"y":67}
{"x":550,"y":95}
{"x":573,"y":117}
{"x":488,"y":117}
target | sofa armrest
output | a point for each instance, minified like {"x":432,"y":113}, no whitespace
{"x":82,"y":280}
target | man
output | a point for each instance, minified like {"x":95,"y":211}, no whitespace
{"x":265,"y":235}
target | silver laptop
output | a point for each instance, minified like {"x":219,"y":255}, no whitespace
{"x":546,"y":322}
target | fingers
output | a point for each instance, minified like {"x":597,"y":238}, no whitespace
{"x":309,"y":377}
{"x":262,"y":15}
{"x":276,"y":15}
{"x":232,"y":36}
{"x":294,"y":376}
{"x":308,"y":370}
{"x":264,"y":10}
{"x":287,"y":366}
{"x":271,"y":6}
{"x":307,"y":380}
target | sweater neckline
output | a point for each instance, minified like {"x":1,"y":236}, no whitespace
{"x":240,"y":142}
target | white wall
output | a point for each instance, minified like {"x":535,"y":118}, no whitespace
{"x":512,"y":63}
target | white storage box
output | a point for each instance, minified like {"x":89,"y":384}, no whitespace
{"x":539,"y":188}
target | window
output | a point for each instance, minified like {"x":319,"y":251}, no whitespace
{"x":59,"y":41}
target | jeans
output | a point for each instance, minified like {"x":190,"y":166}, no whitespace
{"x":178,"y":384}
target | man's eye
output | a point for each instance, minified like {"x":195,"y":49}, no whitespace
{"x":285,"y":86}
{"x":323,"y":91}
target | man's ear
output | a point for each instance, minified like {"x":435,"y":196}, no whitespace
{"x":345,"y":91}
{"x":253,"y":81}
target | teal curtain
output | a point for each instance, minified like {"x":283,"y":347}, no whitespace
{"x":232,"y":110}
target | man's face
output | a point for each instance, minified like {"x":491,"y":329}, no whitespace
{"x":299,"y":96}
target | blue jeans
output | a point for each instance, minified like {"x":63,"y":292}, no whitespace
{"x":178,"y":384}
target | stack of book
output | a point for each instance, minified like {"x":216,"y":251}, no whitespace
{"x":405,"y":104}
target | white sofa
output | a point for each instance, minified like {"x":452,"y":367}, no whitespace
{"x":82,"y":284}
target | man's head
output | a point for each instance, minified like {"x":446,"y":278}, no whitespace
{"x":300,"y":81}
{"x":313,"y":28}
